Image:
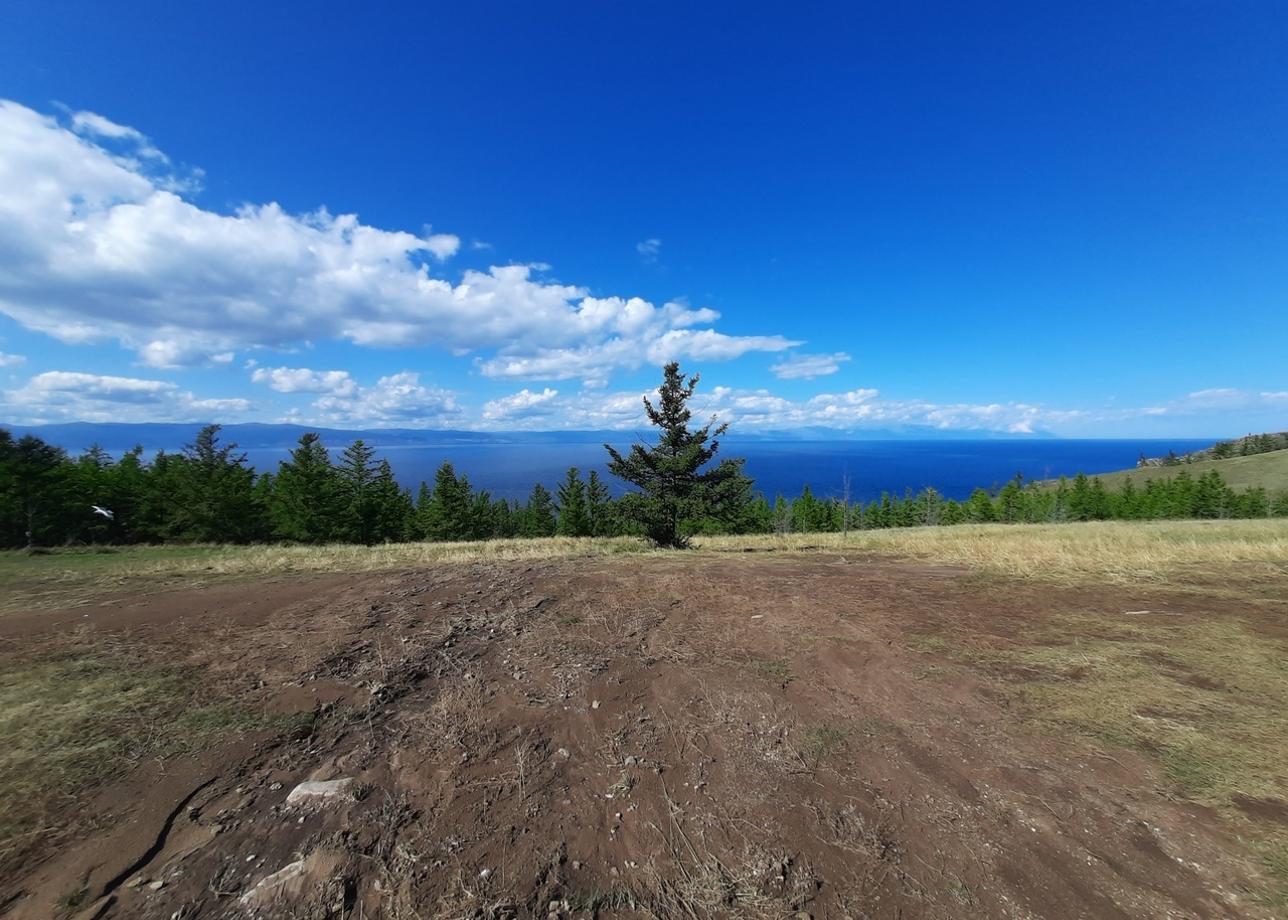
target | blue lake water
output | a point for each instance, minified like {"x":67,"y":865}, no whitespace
{"x":952,"y":467}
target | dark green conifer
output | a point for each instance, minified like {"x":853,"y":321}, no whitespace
{"x":305,"y":505}
{"x":675,"y":483}
{"x":574,"y":517}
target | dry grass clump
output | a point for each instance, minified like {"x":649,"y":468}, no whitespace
{"x":1113,"y":551}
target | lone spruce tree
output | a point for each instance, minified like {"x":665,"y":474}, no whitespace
{"x":674,"y":486}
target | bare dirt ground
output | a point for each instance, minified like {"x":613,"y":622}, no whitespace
{"x":739,"y":735}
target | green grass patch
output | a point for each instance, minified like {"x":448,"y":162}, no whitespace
{"x":822,"y":741}
{"x":72,"y":722}
{"x":1274,"y":858}
{"x":772,"y":669}
{"x":1207,"y":700}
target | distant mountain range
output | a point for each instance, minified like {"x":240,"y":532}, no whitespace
{"x":117,"y":436}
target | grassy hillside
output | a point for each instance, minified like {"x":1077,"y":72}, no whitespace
{"x":1268,"y":469}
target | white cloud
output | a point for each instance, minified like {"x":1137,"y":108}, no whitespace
{"x":807,"y":367}
{"x":58,"y":396}
{"x":1217,"y":398}
{"x":95,"y":125}
{"x":8,"y":360}
{"x":521,"y":405}
{"x":633,"y":332}
{"x":306,"y":380}
{"x":649,"y":249}
{"x":763,"y":410}
{"x":399,"y":401}
{"x":96,"y":245}
{"x":1275,"y":396}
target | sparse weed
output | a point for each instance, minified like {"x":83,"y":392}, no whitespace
{"x":821,"y":741}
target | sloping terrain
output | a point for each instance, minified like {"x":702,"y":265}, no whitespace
{"x":741,"y":734}
{"x":1269,"y":470}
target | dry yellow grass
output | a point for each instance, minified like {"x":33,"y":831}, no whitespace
{"x":71,"y":577}
{"x":1112,"y":551}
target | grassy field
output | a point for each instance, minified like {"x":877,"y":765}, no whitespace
{"x":1113,"y":551}
{"x":1269,"y":470}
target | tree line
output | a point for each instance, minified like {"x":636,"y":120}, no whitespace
{"x":1247,"y":446}
{"x":1082,"y":498}
{"x":207,"y":493}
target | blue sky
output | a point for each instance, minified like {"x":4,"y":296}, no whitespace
{"x":1017,"y":217}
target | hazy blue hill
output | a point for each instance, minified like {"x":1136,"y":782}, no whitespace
{"x":117,"y":436}
{"x":253,"y":435}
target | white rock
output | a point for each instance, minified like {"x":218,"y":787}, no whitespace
{"x":266,"y":886}
{"x":320,"y":790}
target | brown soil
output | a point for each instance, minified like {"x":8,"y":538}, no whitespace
{"x":691,"y":736}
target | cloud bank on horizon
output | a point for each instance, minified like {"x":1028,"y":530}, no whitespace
{"x":102,"y":241}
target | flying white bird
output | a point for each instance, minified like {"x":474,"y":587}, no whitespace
{"x":103,"y":511}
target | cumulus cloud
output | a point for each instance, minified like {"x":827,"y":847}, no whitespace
{"x":521,"y":405}
{"x":398,"y":401}
{"x":59,"y":396}
{"x":807,"y":367}
{"x":630,"y":334}
{"x":763,"y":410}
{"x":98,"y":245}
{"x":305,"y":380}
{"x":9,"y":360}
